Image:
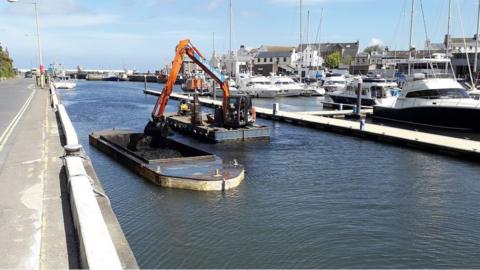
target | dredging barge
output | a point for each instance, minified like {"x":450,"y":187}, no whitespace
{"x":168,"y":163}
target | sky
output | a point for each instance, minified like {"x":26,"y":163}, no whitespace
{"x":130,"y":34}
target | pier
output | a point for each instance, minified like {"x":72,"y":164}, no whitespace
{"x":409,"y":138}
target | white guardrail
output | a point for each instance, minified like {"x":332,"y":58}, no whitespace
{"x":97,"y":250}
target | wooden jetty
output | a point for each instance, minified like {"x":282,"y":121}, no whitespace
{"x":421,"y":140}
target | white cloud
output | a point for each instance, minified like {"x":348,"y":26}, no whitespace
{"x":376,"y":41}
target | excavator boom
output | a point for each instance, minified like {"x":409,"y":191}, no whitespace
{"x":183,"y":48}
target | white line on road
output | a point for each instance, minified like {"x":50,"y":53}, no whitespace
{"x":8,"y":131}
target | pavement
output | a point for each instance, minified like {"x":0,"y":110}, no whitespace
{"x":36,"y":229}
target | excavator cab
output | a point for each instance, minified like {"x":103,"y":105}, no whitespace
{"x":238,"y":112}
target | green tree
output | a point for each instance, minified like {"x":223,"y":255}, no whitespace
{"x":374,"y":48}
{"x":347,"y":60}
{"x":6,"y":64}
{"x":333,"y":60}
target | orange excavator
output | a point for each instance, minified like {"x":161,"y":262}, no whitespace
{"x":236,"y":110}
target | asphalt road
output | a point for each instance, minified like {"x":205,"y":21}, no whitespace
{"x":13,"y":94}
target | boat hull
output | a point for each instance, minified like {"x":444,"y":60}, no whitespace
{"x":60,"y":85}
{"x":351,"y":100}
{"x":453,"y":118}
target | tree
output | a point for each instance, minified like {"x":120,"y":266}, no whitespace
{"x":333,"y":60}
{"x":374,"y":48}
{"x":6,"y":64}
{"x":347,"y":60}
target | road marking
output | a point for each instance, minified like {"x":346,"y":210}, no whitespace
{"x":8,"y":131}
{"x":31,"y":161}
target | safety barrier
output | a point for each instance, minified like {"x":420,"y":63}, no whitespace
{"x":97,"y":250}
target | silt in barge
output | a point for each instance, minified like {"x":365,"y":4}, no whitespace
{"x":167,"y":162}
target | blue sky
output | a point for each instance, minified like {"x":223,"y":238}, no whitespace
{"x":143,"y":34}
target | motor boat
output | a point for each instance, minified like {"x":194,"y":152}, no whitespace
{"x":64,"y":82}
{"x":433,"y":102}
{"x":258,"y":86}
{"x":313,"y":89}
{"x":334,"y":82}
{"x":287,"y":86}
{"x":375,"y":91}
{"x":110,"y":77}
{"x":475,"y":94}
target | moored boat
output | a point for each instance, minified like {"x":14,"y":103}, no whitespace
{"x":64,"y":82}
{"x":433,"y":102}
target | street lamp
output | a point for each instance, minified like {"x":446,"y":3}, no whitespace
{"x":40,"y":58}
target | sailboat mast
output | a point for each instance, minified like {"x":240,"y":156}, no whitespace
{"x":447,"y":48}
{"x":475,"y":62}
{"x":447,"y":42}
{"x":300,"y":45}
{"x":319,"y":35}
{"x":301,"y":30}
{"x":410,"y":42}
{"x":230,"y":28}
{"x":308,"y":23}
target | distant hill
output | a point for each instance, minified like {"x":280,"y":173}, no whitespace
{"x":6,"y":64}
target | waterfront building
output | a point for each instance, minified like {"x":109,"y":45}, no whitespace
{"x":275,"y":59}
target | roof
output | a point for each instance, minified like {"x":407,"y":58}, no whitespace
{"x":415,"y":54}
{"x":264,"y":54}
{"x":436,"y":46}
{"x":460,"y":40}
{"x":274,"y":48}
{"x":348,"y":48}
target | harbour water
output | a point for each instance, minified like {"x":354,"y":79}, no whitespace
{"x":311,"y":199}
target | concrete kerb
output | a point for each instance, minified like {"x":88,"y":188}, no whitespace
{"x":96,"y":245}
{"x":97,"y":250}
{"x":54,"y":98}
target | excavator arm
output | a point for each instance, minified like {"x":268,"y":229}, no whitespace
{"x":183,"y":48}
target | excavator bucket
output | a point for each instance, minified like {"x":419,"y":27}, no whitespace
{"x":159,"y":129}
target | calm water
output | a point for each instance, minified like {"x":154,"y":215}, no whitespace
{"x":310,"y":198}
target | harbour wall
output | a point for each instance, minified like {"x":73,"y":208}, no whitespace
{"x":101,"y":241}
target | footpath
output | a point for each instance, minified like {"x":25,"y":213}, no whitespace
{"x":40,"y":227}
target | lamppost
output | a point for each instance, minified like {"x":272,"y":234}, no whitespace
{"x":40,"y":58}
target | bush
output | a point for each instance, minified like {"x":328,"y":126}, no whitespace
{"x":6,"y":65}
{"x":333,"y":60}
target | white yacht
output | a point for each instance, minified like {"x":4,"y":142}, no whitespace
{"x":258,"y":86}
{"x":64,"y":82}
{"x":219,"y":92}
{"x":313,"y":89}
{"x":433,"y":102}
{"x":375,"y":91}
{"x":334,"y":82}
{"x":287,"y":86}
{"x":475,"y":94}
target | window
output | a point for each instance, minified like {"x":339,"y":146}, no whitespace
{"x":264,"y":60}
{"x":284,"y":59}
{"x":438,"y":93}
{"x":271,"y":60}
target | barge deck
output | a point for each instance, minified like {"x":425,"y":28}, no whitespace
{"x":168,"y":163}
